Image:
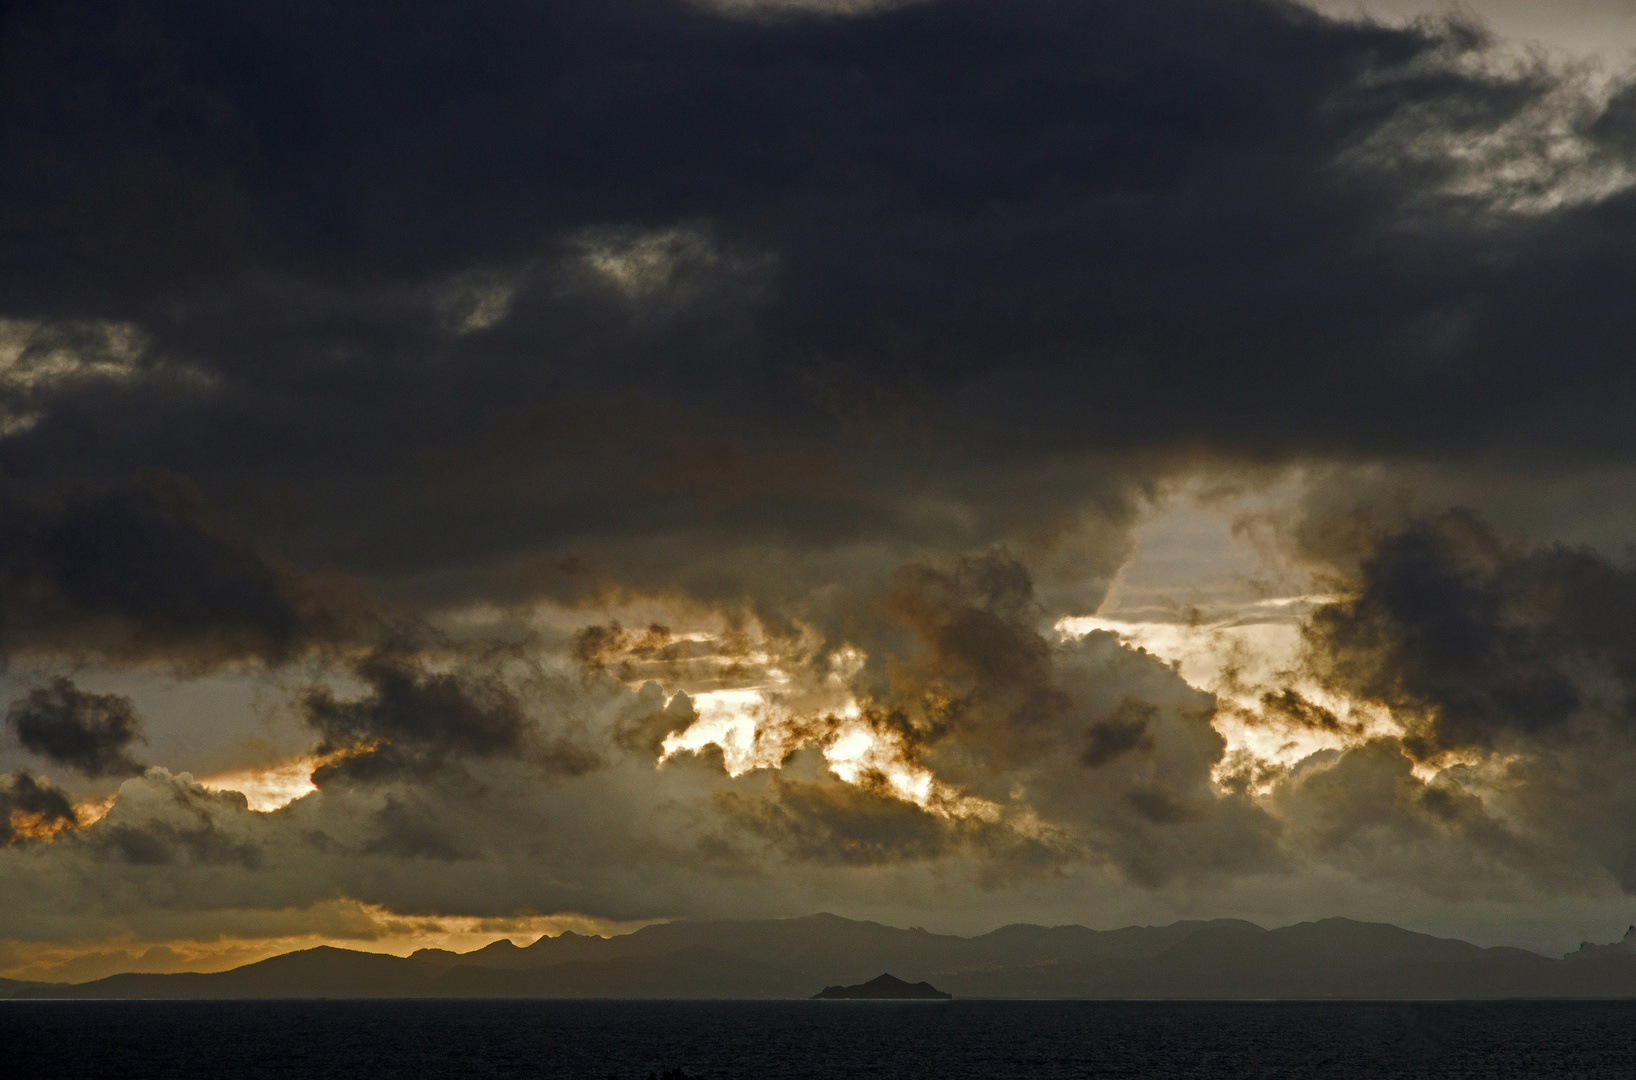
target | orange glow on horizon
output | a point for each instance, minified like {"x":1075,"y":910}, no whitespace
{"x":347,"y":925}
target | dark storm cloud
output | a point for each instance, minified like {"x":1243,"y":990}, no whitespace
{"x":1510,"y":666}
{"x":883,"y":328}
{"x":90,"y":733}
{"x":419,"y":722}
{"x":1365,"y":811}
{"x":412,"y":829}
{"x":977,"y":662}
{"x":1479,"y":643}
{"x":654,"y":718}
{"x":645,"y":282}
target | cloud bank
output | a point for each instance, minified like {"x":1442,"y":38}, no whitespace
{"x":645,"y":450}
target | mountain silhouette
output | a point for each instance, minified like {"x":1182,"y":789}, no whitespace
{"x":826,"y":955}
{"x":883,"y":987}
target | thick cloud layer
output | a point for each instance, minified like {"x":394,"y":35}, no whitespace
{"x":651,"y":444}
{"x":630,"y":280}
{"x":143,"y":572}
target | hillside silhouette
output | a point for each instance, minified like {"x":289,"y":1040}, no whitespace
{"x":798,"y":958}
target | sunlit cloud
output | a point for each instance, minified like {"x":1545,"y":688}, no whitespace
{"x":1242,"y":659}
{"x":858,"y":753}
{"x":760,"y":726}
{"x":91,"y":811}
{"x":1204,"y":654}
{"x":1541,"y":158}
{"x":753,"y":733}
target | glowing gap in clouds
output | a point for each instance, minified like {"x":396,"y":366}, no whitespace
{"x":269,"y":787}
{"x":754,"y":733}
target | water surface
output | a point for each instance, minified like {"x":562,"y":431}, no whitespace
{"x":724,"y":1040}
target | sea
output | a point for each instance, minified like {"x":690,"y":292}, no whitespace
{"x":761,"y":1040}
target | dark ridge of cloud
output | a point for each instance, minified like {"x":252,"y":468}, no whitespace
{"x":90,"y":733}
{"x":848,"y":824}
{"x":416,"y":722}
{"x":144,"y":572}
{"x":163,"y":843}
{"x":409,"y":828}
{"x":30,"y":807}
{"x":1480,"y":644}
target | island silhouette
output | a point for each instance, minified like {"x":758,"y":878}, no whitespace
{"x":883,"y":987}
{"x":792,"y":958}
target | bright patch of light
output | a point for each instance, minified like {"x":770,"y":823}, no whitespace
{"x":1241,"y":658}
{"x":93,"y":811}
{"x":858,"y":752}
{"x":268,"y":787}
{"x":1205,"y":655}
{"x":731,"y":720}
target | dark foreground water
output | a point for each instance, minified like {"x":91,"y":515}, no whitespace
{"x":722,"y":1040}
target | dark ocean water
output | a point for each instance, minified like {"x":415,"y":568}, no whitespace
{"x":722,"y":1040}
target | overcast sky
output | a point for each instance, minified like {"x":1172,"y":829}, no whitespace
{"x":511,"y":466}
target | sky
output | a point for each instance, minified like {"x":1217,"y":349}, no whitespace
{"x":1603,"y":30}
{"x":495,"y":469}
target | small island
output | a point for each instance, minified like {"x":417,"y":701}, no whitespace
{"x":885,"y":987}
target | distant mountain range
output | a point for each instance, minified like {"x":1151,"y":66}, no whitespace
{"x":797,"y":958}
